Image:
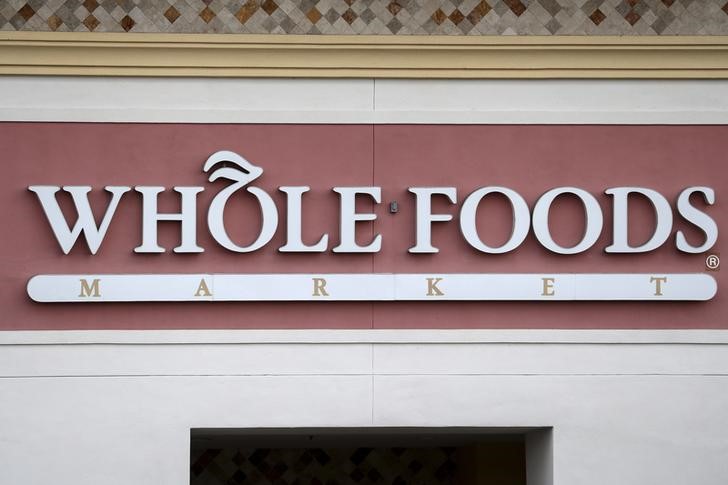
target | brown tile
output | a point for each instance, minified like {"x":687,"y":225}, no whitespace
{"x":91,"y":22}
{"x":478,"y":12}
{"x":439,"y":16}
{"x":668,"y":2}
{"x":171,"y":14}
{"x":313,"y":15}
{"x":54,"y":21}
{"x":207,"y":15}
{"x":597,"y":17}
{"x":246,"y":11}
{"x":394,"y":8}
{"x":349,"y":16}
{"x":456,"y":16}
{"x":516,"y":6}
{"x":127,"y":23}
{"x":26,"y":12}
{"x":632,"y":3}
{"x":269,"y":6}
{"x":90,"y":5}
{"x":725,"y":8}
{"x":632,"y":17}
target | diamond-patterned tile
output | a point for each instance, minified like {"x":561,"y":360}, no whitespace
{"x":127,"y":23}
{"x":26,"y":12}
{"x":597,"y":16}
{"x":207,"y":15}
{"x":439,"y":16}
{"x":516,"y":6}
{"x":91,"y":23}
{"x":478,"y":12}
{"x":632,"y":17}
{"x":269,"y":6}
{"x":171,"y":14}
{"x":382,"y":17}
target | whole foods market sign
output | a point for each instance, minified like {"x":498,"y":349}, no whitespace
{"x":241,"y":174}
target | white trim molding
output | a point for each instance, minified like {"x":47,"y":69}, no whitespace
{"x":381,"y":101}
{"x":366,"y":336}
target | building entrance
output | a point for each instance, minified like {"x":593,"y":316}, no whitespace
{"x":358,"y":456}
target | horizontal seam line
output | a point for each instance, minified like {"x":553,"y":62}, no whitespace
{"x":363,"y":342}
{"x":138,"y":376}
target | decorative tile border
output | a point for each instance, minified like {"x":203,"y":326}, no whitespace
{"x":371,"y":17}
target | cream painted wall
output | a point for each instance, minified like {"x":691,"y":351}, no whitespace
{"x":648,"y":407}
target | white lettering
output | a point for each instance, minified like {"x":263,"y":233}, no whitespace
{"x":85,"y":223}
{"x":620,"y":237}
{"x":592,"y":211}
{"x":521,"y":220}
{"x":349,"y":217}
{"x":698,"y":218}
{"x":242,"y":175}
{"x":151,"y":218}
{"x":425,"y":217}
{"x":294,"y":242}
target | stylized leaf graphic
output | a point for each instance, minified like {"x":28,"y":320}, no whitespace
{"x":246,"y":173}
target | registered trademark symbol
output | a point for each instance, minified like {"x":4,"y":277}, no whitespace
{"x":712,"y":262}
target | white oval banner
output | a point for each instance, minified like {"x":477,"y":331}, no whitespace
{"x":85,"y":288}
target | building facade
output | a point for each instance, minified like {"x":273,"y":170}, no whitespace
{"x":363,"y":242}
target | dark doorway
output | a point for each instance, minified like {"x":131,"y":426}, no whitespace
{"x":450,"y":456}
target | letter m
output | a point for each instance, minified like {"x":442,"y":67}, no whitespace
{"x":85,"y":223}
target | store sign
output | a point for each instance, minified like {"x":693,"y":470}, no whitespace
{"x":241,"y":173}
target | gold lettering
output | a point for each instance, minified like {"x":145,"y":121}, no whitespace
{"x":548,"y":286}
{"x":658,"y":284}
{"x":89,"y":290}
{"x":319,"y":287}
{"x":432,"y":289}
{"x":202,"y":289}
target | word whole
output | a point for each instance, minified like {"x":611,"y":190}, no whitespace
{"x":233,"y":167}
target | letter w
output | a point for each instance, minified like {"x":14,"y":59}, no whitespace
{"x":85,"y":223}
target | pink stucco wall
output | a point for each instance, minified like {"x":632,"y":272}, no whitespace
{"x":528,"y":159}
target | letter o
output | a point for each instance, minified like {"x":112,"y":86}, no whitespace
{"x":216,"y":224}
{"x":521,"y":220}
{"x":594,"y":220}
